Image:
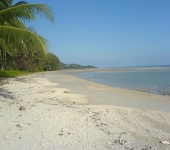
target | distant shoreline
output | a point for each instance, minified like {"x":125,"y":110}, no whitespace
{"x":116,"y":69}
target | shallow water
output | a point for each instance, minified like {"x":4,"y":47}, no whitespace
{"x":156,"y":81}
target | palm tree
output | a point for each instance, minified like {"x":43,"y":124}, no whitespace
{"x":13,"y":33}
{"x":4,"y":4}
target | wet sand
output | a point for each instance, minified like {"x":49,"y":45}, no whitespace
{"x":75,"y":114}
{"x":99,"y":94}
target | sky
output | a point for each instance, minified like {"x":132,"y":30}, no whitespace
{"x":108,"y":33}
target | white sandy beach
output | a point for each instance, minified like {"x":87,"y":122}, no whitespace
{"x":74,"y":114}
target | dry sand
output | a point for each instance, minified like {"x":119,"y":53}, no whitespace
{"x":36,"y":114}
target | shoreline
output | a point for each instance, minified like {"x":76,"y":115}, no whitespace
{"x":118,"y":69}
{"x":97,"y":76}
{"x":107,"y":95}
{"x":58,"y":116}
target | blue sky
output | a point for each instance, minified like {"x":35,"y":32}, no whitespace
{"x":108,"y":33}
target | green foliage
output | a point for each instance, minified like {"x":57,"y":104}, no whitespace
{"x":14,"y":36}
{"x":74,"y":66}
{"x":33,"y":62}
{"x":22,"y":48}
{"x":52,"y":62}
{"x":12,"y":73}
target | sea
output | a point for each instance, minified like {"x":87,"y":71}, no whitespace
{"x":152,"y":79}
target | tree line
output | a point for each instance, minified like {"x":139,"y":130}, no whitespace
{"x":21,"y":48}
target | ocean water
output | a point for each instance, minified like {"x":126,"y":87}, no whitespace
{"x":152,"y":80}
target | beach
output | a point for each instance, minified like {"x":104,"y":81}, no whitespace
{"x":55,"y":110}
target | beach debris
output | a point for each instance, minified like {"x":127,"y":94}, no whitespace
{"x":165,"y":142}
{"x":22,"y":108}
{"x":18,"y":125}
{"x":107,"y":110}
{"x":104,"y":124}
{"x":65,"y":91}
{"x":122,"y":142}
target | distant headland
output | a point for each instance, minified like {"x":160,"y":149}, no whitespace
{"x":74,"y":66}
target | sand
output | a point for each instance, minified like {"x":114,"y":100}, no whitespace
{"x":74,"y":114}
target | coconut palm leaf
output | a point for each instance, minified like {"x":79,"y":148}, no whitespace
{"x":4,"y":4}
{"x":18,"y":36}
{"x":14,"y":37}
{"x":16,"y":23}
{"x":5,"y":46}
{"x":25,"y":12}
{"x":18,"y":3}
{"x":10,"y":24}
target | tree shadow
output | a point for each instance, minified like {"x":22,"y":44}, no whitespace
{"x":5,"y":93}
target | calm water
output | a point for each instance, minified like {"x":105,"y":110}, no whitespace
{"x":156,"y":81}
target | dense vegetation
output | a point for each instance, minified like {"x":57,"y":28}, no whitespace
{"x":20,"y":47}
{"x":74,"y":66}
{"x":52,"y":62}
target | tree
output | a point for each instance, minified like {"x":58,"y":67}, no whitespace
{"x":13,"y":34}
{"x":52,"y":62}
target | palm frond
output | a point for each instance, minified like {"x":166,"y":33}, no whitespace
{"x":18,"y":37}
{"x":15,"y":23}
{"x":20,"y":3}
{"x":18,"y":24}
{"x":5,"y":47}
{"x":6,"y":4}
{"x":25,"y":12}
{"x":2,"y":5}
